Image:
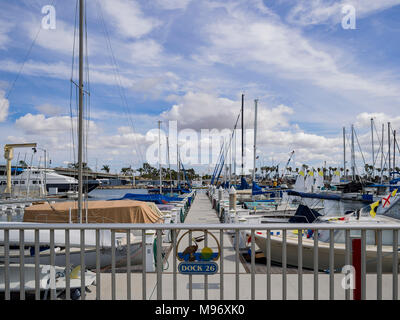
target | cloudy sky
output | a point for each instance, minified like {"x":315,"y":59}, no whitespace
{"x":190,"y":61}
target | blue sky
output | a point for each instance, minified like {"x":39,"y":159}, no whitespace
{"x":190,"y":61}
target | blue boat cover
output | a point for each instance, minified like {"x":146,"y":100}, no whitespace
{"x":156,"y":198}
{"x":314,"y":195}
{"x":304,"y":215}
{"x":243,"y":184}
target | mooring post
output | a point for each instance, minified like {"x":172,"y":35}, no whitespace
{"x":232,"y":198}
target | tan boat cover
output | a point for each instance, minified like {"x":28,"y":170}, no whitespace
{"x":118,"y":211}
{"x":245,"y":191}
{"x":154,"y":207}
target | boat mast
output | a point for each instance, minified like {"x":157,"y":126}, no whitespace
{"x":394,"y":150}
{"x":234,"y":156}
{"x":373,"y":153}
{"x":80,"y":115}
{"x":255,"y":139}
{"x":344,"y":152}
{"x":383,"y":133}
{"x":169,"y":166}
{"x":353,"y":160}
{"x":159,"y":153}
{"x":242,"y":135}
{"x":389,"y":148}
{"x":177,"y":163}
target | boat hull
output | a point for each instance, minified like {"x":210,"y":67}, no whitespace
{"x":89,"y":257}
{"x":323,"y":253}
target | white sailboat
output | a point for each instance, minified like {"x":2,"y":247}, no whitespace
{"x":358,"y":217}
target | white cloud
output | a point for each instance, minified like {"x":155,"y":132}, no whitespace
{"x":60,"y":70}
{"x":363,"y":120}
{"x":199,"y":110}
{"x":5,"y":28}
{"x":128,"y":18}
{"x":4,"y":105}
{"x":39,"y":124}
{"x":307,"y":12}
{"x":267,"y":46}
{"x":49,"y":109}
{"x":172,"y":4}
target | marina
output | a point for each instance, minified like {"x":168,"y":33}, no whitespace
{"x":163,"y":170}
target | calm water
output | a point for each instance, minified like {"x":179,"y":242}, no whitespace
{"x":107,"y":194}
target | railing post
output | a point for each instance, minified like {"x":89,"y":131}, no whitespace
{"x":356,"y":251}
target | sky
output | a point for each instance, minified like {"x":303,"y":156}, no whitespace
{"x":191,"y":61}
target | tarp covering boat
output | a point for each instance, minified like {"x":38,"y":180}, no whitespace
{"x":243,"y":184}
{"x":155,"y":208}
{"x":314,"y":195}
{"x":304,"y":215}
{"x":123,"y":211}
{"x":156,"y":198}
{"x":165,"y":207}
{"x":256,"y":189}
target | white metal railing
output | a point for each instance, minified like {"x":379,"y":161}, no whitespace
{"x":173,"y":229}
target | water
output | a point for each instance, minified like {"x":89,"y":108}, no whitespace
{"x":107,"y":194}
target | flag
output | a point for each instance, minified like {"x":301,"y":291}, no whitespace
{"x":389,"y":199}
{"x":373,"y":208}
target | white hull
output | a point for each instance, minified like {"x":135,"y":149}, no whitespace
{"x":29,"y":275}
{"x":89,"y":256}
{"x":323,"y":253}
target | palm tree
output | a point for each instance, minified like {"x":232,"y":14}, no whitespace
{"x":106,"y":168}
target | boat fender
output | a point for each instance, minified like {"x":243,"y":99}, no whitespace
{"x":75,"y":294}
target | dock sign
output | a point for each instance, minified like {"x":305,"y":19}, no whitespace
{"x":198,"y":268}
{"x":198,"y":253}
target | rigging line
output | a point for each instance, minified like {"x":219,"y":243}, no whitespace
{"x":71,"y":85}
{"x":11,"y":88}
{"x":392,"y":131}
{"x":380,"y":145}
{"x":118,"y":80}
{"x":361,"y":180}
{"x":359,"y":147}
{"x":385,"y":155}
{"x":355,"y":165}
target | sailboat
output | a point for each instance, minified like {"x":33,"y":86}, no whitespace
{"x":84,"y":211}
{"x":373,"y":215}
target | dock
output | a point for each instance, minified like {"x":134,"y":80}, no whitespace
{"x":201,"y":212}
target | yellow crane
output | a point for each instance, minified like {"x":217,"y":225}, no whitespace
{"x":9,"y":155}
